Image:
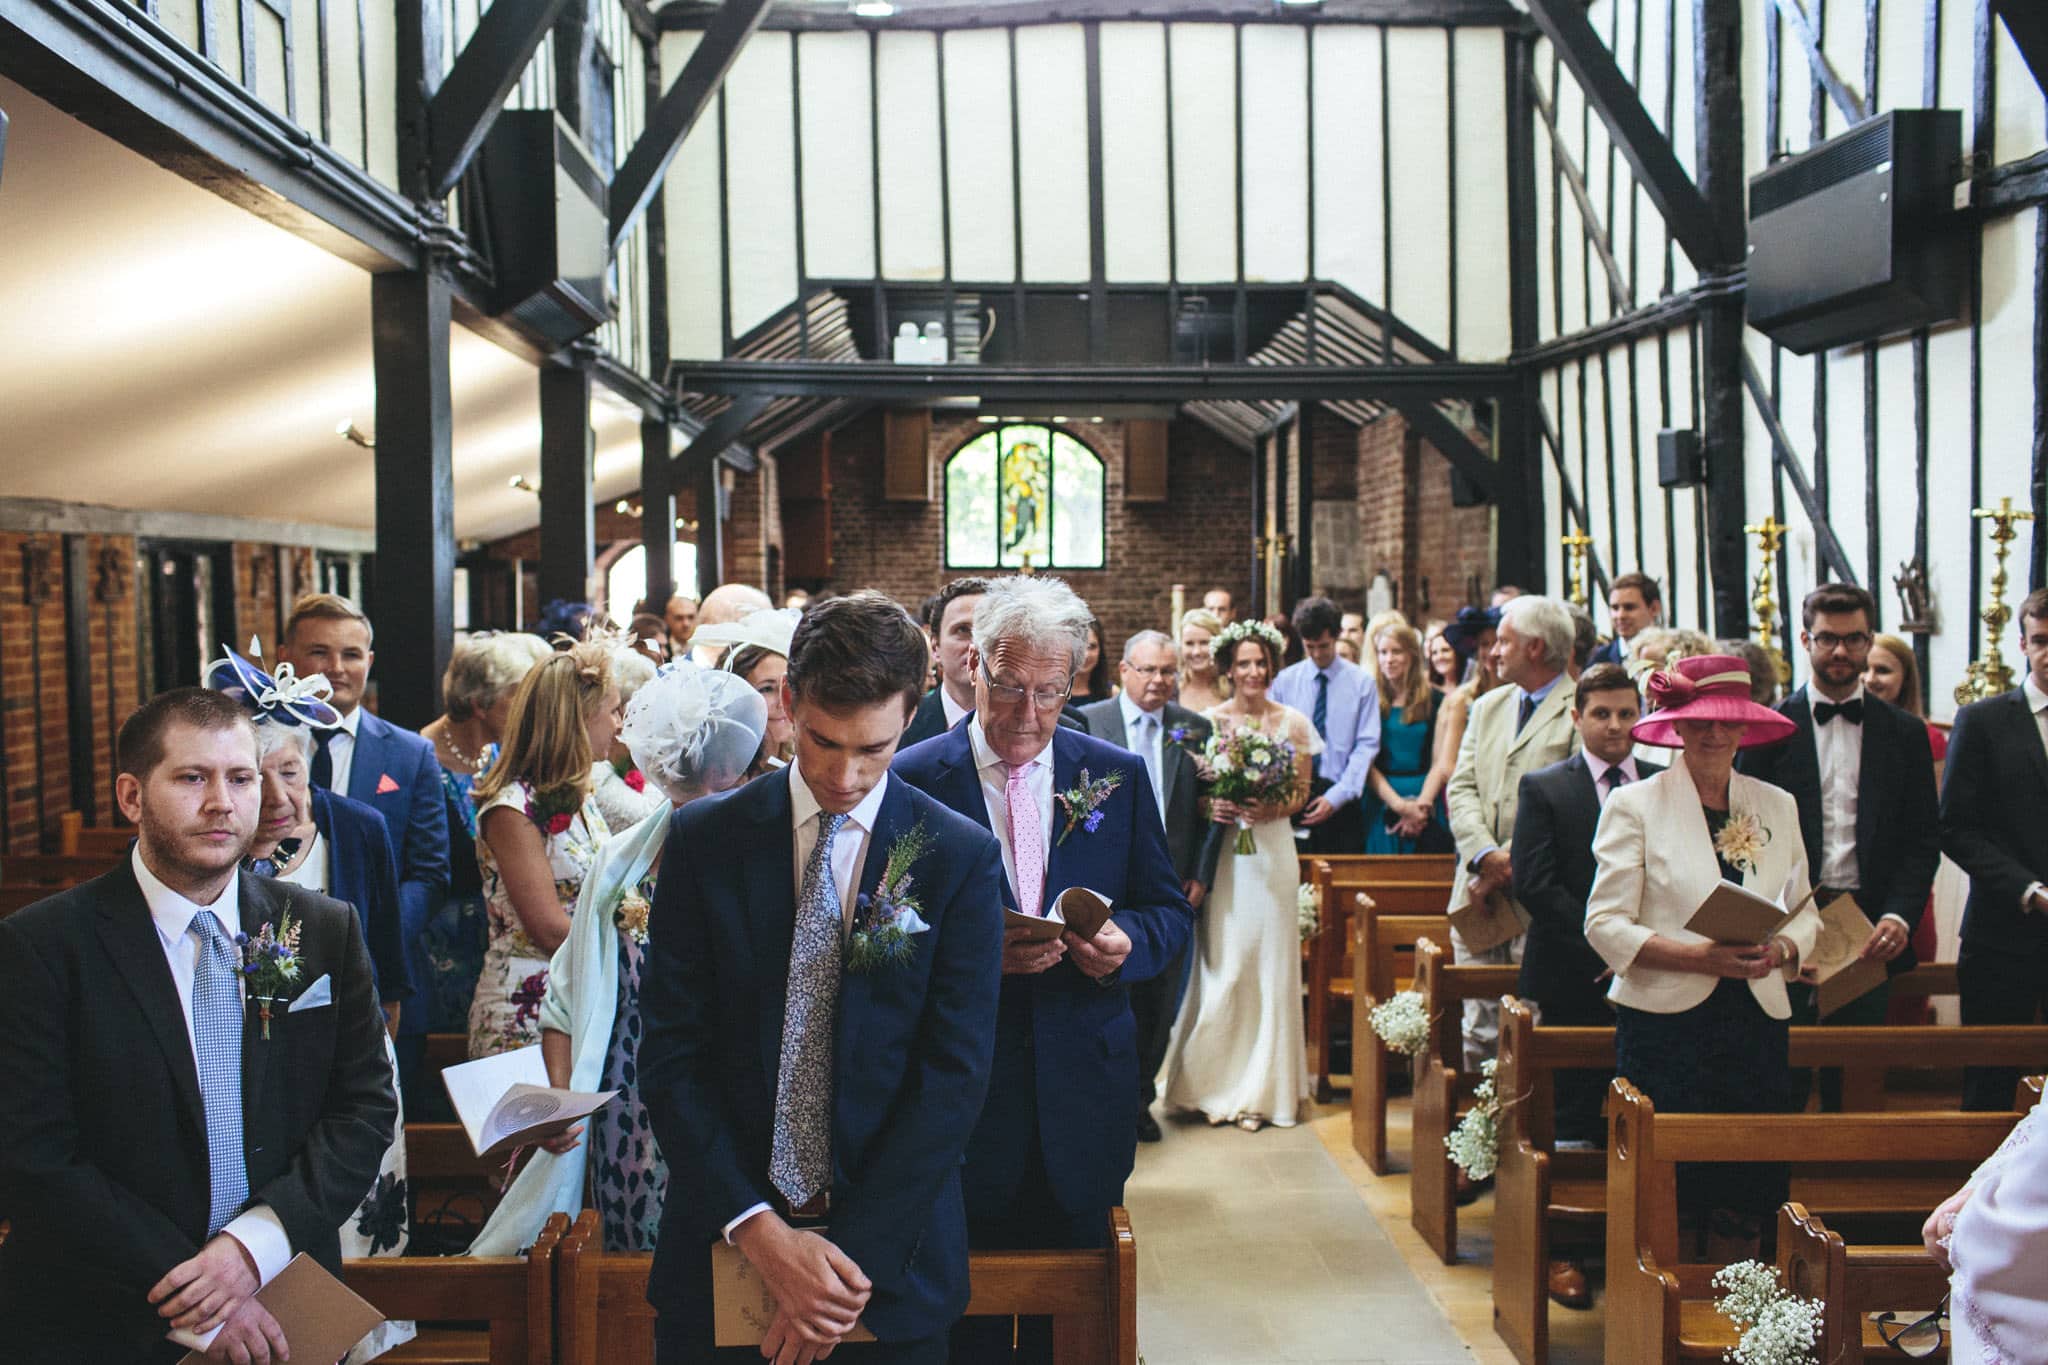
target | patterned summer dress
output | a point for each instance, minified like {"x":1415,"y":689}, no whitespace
{"x":632,"y":1178}
{"x":506,"y":1011}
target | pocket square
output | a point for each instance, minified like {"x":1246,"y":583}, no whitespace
{"x":320,"y":993}
{"x":386,"y":784}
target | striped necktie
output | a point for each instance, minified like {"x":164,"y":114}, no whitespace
{"x":217,"y":1031}
{"x":800,"y":1156}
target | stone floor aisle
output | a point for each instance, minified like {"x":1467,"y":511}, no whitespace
{"x":1256,"y":1248}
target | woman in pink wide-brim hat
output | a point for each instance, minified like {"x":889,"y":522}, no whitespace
{"x":1707,"y":687}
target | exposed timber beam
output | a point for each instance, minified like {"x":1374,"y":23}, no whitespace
{"x":1836,"y":563}
{"x":720,"y":433}
{"x":1846,"y":100}
{"x":1450,"y":440}
{"x":1719,"y":355}
{"x":883,"y":382}
{"x":2027,"y":21}
{"x":670,"y":121}
{"x":949,"y":14}
{"x":462,"y":111}
{"x":1656,"y":166}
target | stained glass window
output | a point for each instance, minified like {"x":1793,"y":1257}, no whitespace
{"x":1020,"y":495}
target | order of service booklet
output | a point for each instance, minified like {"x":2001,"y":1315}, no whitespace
{"x":1077,"y":908}
{"x":505,"y":1101}
{"x":1735,"y":914}
{"x":321,"y":1317}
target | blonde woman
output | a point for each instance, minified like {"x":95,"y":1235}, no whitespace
{"x":1202,"y":685}
{"x":1408,"y":773}
{"x":538,"y":829}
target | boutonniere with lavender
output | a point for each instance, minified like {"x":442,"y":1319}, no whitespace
{"x":270,"y":963}
{"x":631,"y":917}
{"x":1083,"y":802}
{"x":885,"y":922}
{"x":554,"y":811}
{"x":1742,"y":841}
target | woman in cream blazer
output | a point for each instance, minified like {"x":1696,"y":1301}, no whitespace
{"x":1700,"y":1027}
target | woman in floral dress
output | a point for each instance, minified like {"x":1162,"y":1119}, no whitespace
{"x":693,"y":732}
{"x":537,"y":831}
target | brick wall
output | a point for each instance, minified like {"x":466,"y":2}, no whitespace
{"x":1434,"y":552}
{"x":256,"y":597}
{"x":111,"y":644}
{"x":34,"y":757}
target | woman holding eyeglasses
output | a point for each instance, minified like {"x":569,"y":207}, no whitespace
{"x":1237,"y":1054}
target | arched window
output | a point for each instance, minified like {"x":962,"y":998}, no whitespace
{"x":1024,"y":494}
{"x":626,"y":579}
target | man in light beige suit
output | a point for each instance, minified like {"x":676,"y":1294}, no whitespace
{"x":1513,"y":730}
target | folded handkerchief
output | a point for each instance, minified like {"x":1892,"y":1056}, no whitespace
{"x":320,"y":993}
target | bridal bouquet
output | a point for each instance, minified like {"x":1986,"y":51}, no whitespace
{"x":1246,"y":767}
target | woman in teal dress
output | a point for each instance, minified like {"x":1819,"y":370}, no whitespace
{"x":1402,"y":814}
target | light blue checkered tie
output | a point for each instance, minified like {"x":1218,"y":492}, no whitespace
{"x":800,"y":1159}
{"x":217,"y":1027}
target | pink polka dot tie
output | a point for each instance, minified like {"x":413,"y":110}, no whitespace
{"x":1027,"y":838}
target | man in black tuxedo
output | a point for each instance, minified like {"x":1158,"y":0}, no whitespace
{"x":1556,"y":813}
{"x":1992,"y":797}
{"x":1863,"y":775}
{"x":1166,"y":736}
{"x":807,"y":1062}
{"x":952,"y":631}
{"x":160,"y":1157}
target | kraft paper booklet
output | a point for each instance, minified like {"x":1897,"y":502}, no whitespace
{"x":742,"y":1309}
{"x":505,"y":1101}
{"x":1487,"y":922}
{"x":1735,"y":914}
{"x":1842,"y":976}
{"x":321,"y":1317}
{"x":1077,"y":908}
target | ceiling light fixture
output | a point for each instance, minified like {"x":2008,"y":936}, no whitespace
{"x":626,"y":507}
{"x":873,"y":9}
{"x":348,"y":431}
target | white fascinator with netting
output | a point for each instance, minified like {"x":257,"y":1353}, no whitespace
{"x":694,"y":729}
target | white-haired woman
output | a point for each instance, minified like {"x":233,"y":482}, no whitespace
{"x":1238,"y":1054}
{"x":693,"y":731}
{"x":617,"y":784}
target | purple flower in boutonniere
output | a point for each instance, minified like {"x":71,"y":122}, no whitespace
{"x":1083,"y":802}
{"x":270,"y":962}
{"x":884,"y":922}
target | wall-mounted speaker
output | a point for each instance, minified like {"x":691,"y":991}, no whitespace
{"x":1679,"y":461}
{"x":1464,"y":491}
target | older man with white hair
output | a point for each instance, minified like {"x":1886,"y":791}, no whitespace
{"x":1058,"y":1132}
{"x":1512,"y":731}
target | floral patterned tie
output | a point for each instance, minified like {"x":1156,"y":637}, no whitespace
{"x":800,"y":1155}
{"x":1027,"y":838}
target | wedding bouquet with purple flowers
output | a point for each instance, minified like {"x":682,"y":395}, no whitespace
{"x":1246,"y":767}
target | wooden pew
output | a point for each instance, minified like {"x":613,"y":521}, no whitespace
{"x":52,"y":871}
{"x":1852,"y":1283}
{"x":1660,"y":1308}
{"x":1092,"y":1297}
{"x":1383,"y":951}
{"x":1442,"y":1086}
{"x":13,"y":898}
{"x":76,"y":839}
{"x":1538,"y":1188}
{"x":471,"y":1310}
{"x":450,"y":1183}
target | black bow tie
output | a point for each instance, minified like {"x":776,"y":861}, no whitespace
{"x":1851,"y":711}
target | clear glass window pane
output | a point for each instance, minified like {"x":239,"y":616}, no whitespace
{"x":1077,"y":505}
{"x":971,"y":505}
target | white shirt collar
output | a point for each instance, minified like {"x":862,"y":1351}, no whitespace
{"x":804,"y":806}
{"x":350,"y":721}
{"x":1815,"y":697}
{"x":953,"y":710}
{"x":1132,"y":711}
{"x":2037,"y":700}
{"x":173,"y":913}
{"x":985,"y":754}
{"x":1598,"y":766}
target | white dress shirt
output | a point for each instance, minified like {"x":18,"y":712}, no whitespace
{"x":849,"y":851}
{"x":258,"y":1228}
{"x":955,"y":712}
{"x":1145,"y":736}
{"x":995,"y":790}
{"x":341,"y":750}
{"x":1839,"y":747}
{"x":1599,"y":767}
{"x":315,"y":871}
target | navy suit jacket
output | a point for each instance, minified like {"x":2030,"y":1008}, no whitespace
{"x":910,"y":1065}
{"x":1993,"y":791}
{"x":362,"y":873}
{"x":1066,"y":1048}
{"x":415,"y":825}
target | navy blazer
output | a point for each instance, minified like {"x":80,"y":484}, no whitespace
{"x":910,"y":1066}
{"x":415,"y":824}
{"x":1066,"y":1047}
{"x":362,"y":874}
{"x":1992,"y":795}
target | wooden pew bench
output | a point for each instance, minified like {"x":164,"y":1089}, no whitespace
{"x":1092,"y":1297}
{"x":1659,"y":1307}
{"x":1383,"y":949}
{"x":453,"y":1189}
{"x":13,"y":898}
{"x":471,"y":1310}
{"x":1443,"y":1087}
{"x":76,"y":839}
{"x":1540,"y":1191}
{"x":52,"y":871}
{"x":1852,"y":1282}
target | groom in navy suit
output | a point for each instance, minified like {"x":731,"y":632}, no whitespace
{"x":1058,"y":1135}
{"x":819,"y":1005}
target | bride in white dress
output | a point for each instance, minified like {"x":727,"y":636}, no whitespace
{"x":1237,"y":1054}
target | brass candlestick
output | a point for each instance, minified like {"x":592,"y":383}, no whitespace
{"x":1578,"y":542}
{"x":1274,"y":548}
{"x":1770,"y":534}
{"x":1987,"y":675}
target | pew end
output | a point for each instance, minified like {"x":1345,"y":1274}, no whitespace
{"x":1852,"y":1283}
{"x":471,"y":1310}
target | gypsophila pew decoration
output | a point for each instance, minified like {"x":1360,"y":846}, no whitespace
{"x":884,"y":923}
{"x":631,"y":917}
{"x":1246,"y":767}
{"x":1083,"y":801}
{"x":270,"y":963}
{"x":1474,"y":1144}
{"x":1308,"y":910}
{"x":1778,"y":1328}
{"x":1401,"y":1024}
{"x":1742,"y":841}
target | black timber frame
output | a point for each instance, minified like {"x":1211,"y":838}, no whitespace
{"x":468,"y":103}
{"x":884,"y":382}
{"x":686,"y":15}
{"x":568,"y":526}
{"x":2027,"y":21}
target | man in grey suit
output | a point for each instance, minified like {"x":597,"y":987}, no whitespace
{"x":1166,"y":736}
